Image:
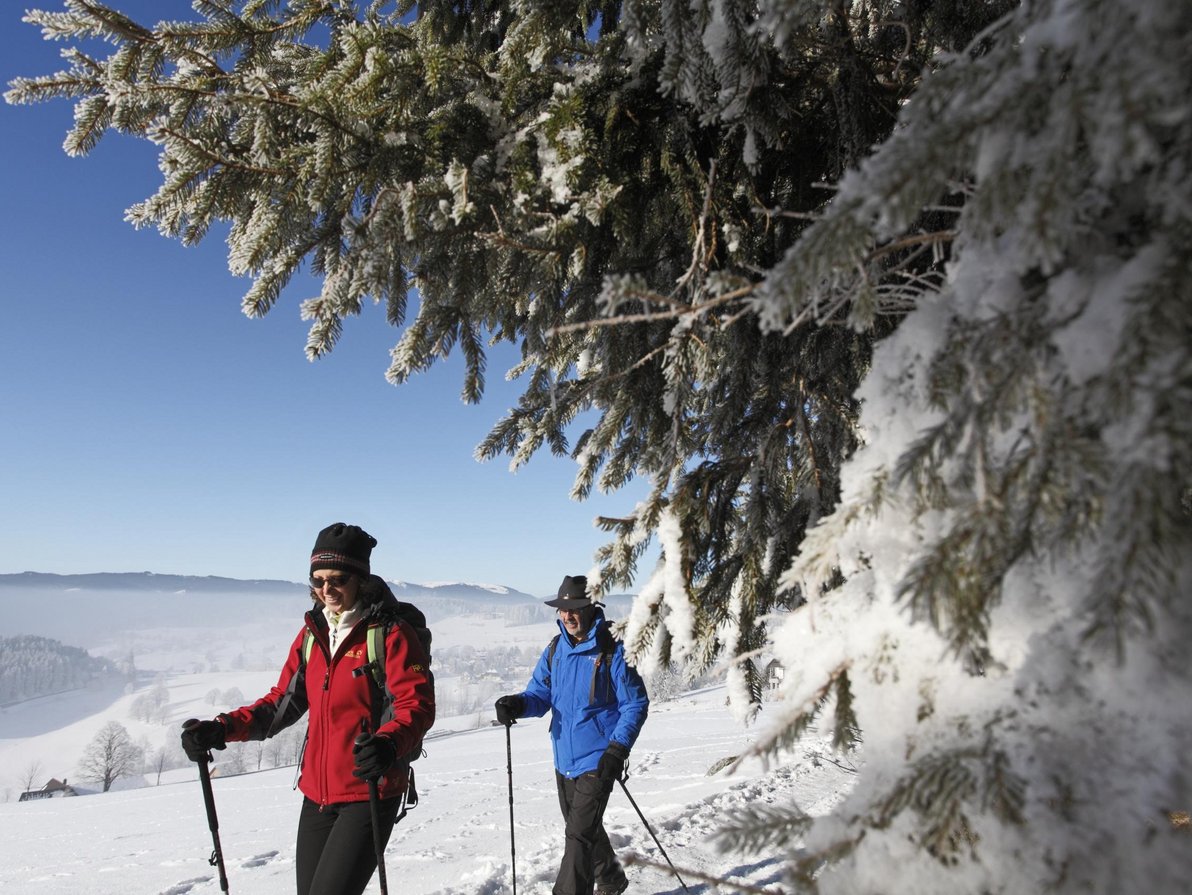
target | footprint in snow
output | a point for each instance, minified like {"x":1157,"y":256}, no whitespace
{"x":620,"y":837}
{"x":646,"y":760}
{"x":260,"y":860}
{"x":186,"y":885}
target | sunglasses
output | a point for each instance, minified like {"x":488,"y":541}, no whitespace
{"x":336,"y":581}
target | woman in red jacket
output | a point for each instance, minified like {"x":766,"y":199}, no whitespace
{"x":326,"y":678}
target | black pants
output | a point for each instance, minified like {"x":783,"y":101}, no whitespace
{"x":588,"y":857}
{"x":335,"y":853}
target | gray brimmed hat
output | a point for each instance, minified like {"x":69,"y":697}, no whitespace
{"x":573,"y":594}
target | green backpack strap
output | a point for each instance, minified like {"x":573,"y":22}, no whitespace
{"x":308,"y":644}
{"x":375,"y":641}
{"x":376,"y":657}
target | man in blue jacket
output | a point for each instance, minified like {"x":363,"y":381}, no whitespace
{"x":598,"y":704}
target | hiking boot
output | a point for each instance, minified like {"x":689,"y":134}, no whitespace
{"x":613,"y":888}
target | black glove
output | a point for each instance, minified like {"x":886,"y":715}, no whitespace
{"x":200,"y":737}
{"x":612,"y":763}
{"x":374,"y":755}
{"x":509,"y":709}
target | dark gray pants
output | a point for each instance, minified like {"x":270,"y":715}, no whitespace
{"x":588,"y":858}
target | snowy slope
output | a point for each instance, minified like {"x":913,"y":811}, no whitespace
{"x":155,"y":839}
{"x":147,"y":838}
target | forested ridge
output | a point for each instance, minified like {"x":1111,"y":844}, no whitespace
{"x":35,"y":666}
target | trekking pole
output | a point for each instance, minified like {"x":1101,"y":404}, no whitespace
{"x":216,"y":859}
{"x":374,"y":810}
{"x":509,"y":768}
{"x":651,"y":832}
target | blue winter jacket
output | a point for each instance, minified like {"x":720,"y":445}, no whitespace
{"x":593,"y":700}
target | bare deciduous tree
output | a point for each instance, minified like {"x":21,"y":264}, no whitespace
{"x":29,"y":775}
{"x":110,"y":755}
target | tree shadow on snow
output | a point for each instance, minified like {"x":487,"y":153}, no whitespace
{"x":759,"y":874}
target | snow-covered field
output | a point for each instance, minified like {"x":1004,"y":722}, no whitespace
{"x":457,"y":840}
{"x":151,"y":839}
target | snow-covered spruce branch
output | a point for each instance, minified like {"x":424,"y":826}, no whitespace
{"x":271,"y":98}
{"x":504,"y":240}
{"x":111,"y":22}
{"x":115,"y":22}
{"x":793,"y":723}
{"x":219,"y":160}
{"x":684,"y":311}
{"x":812,"y":313}
{"x":255,"y":27}
{"x":378,"y":201}
{"x":759,"y":828}
{"x":637,"y":364}
{"x":700,"y":255}
{"x":913,"y":240}
{"x":26,"y":91}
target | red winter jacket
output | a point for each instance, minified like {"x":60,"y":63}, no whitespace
{"x":341,"y":704}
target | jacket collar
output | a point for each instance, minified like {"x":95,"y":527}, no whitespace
{"x":590,"y":637}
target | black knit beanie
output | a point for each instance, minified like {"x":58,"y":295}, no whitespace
{"x":344,"y":548}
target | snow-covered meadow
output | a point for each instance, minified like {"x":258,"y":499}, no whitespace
{"x":153,"y":838}
{"x":457,"y":840}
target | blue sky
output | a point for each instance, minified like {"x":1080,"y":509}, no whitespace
{"x":150,"y":426}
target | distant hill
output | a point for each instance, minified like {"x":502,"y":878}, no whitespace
{"x":44,"y":583}
{"x":142,"y":582}
{"x":89,"y":609}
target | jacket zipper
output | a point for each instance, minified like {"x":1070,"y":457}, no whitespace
{"x":325,"y":714}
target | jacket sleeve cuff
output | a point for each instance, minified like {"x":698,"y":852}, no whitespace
{"x":615,"y":748}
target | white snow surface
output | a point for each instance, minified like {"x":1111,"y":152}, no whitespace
{"x":155,"y":838}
